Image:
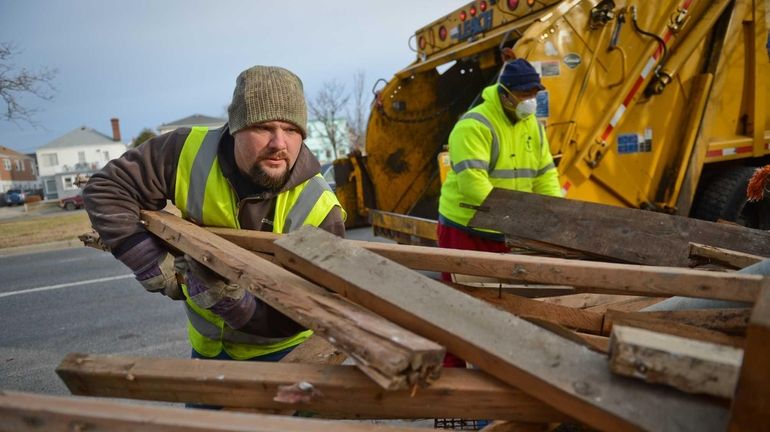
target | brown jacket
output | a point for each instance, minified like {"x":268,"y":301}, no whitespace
{"x":144,"y":178}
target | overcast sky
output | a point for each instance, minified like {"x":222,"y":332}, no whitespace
{"x":150,"y":62}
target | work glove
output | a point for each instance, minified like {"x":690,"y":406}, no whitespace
{"x":235,"y":305}
{"x":154,"y":268}
{"x":210,"y":291}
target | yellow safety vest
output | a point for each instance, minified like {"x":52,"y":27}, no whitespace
{"x":487,"y":151}
{"x":205,"y":197}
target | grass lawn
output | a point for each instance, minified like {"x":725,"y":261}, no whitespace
{"x":35,"y":229}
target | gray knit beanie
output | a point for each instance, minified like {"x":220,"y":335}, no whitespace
{"x":267,"y":93}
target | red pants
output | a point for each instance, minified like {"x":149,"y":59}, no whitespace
{"x":453,"y":238}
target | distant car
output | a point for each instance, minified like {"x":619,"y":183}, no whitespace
{"x":72,"y":203}
{"x":327,"y":171}
{"x":15,"y":197}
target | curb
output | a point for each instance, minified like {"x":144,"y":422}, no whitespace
{"x":41,"y":247}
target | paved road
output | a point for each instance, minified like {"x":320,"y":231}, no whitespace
{"x":77,"y":300}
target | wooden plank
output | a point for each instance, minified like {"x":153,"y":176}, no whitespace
{"x":729,"y":258}
{"x":647,"y":322}
{"x":577,"y":319}
{"x":390,"y":355}
{"x":421,"y":228}
{"x":608,"y":278}
{"x":597,"y":343}
{"x":563,"y":374}
{"x":26,"y":412}
{"x":688,"y":365}
{"x":632,"y":304}
{"x":585,"y":300}
{"x":730,"y":321}
{"x":336,"y":391}
{"x":630,"y":235}
{"x":751,"y":406}
{"x":524,"y":290}
{"x":315,"y":350}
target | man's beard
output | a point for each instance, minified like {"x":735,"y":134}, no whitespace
{"x":264,"y":180}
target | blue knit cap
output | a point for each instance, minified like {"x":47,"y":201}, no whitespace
{"x":519,"y":75}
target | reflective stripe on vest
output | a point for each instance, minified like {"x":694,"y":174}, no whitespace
{"x":494,"y":151}
{"x":307,"y":199}
{"x":204,"y":195}
{"x":494,"y":154}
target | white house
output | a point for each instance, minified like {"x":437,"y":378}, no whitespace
{"x":318,"y":142}
{"x":79,"y":152}
{"x":190,"y":121}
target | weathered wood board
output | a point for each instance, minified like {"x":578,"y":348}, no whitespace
{"x":751,"y":406}
{"x":565,"y":375}
{"x":629,"y":235}
{"x":25,"y":412}
{"x":336,"y":391}
{"x":689,"y":365}
{"x":392,"y":356}
{"x":609,"y":278}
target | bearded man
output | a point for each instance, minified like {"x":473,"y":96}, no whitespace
{"x":253,"y":173}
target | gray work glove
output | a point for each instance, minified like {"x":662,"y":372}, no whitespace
{"x":155,"y":268}
{"x":210,"y":291}
{"x":235,"y":305}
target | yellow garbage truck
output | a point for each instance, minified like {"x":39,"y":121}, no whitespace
{"x":655,"y":104}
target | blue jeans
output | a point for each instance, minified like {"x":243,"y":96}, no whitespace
{"x":272,"y":357}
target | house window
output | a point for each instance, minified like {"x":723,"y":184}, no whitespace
{"x":328,"y":154}
{"x":68,"y":183}
{"x":49,"y":159}
{"x":19,"y":165}
{"x":106,"y":156}
{"x":81,"y":157}
{"x":7,"y":164}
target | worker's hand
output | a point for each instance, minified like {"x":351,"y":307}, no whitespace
{"x":210,"y":291}
{"x":155,"y":268}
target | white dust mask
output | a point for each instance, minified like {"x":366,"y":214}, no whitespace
{"x":526,"y":108}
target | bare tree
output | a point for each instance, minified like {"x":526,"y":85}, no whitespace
{"x":357,"y":113}
{"x":14,"y":83}
{"x":327,"y":108}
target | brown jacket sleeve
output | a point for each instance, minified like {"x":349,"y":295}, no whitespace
{"x":143,"y":178}
{"x":334,"y":223}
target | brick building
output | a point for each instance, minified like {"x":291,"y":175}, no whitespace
{"x":17,"y":171}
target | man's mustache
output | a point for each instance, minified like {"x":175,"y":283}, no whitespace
{"x":280,"y":154}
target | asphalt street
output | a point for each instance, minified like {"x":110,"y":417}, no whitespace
{"x":77,"y":300}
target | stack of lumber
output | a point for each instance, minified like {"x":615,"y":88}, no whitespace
{"x":589,"y":356}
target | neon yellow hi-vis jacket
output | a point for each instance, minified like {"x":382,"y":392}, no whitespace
{"x":204,"y":195}
{"x":486,"y":150}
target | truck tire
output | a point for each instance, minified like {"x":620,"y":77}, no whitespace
{"x":724,"y":197}
{"x":70,"y":206}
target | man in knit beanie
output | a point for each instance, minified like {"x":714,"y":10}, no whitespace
{"x":253,"y":173}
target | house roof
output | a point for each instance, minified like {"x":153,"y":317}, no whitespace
{"x":193,"y":120}
{"x":81,"y":136}
{"x":5,"y":151}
